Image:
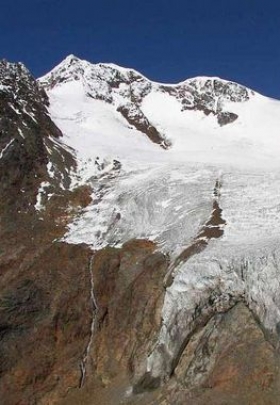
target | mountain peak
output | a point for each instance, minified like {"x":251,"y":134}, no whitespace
{"x":126,"y":89}
{"x":73,"y":68}
{"x":71,"y":58}
{"x":14,"y":70}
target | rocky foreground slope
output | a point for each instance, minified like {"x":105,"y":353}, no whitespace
{"x":139,"y":231}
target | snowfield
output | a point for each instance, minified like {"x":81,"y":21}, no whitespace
{"x":143,"y":191}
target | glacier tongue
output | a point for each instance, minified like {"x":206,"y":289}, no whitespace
{"x":244,"y":264}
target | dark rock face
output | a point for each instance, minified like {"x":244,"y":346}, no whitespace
{"x":43,"y":335}
{"x":129,"y":292}
{"x":135,"y":117}
{"x":209,"y":96}
{"x":27,"y":140}
{"x":229,"y":361}
{"x":128,"y":315}
{"x":225,"y":118}
{"x":40,"y":323}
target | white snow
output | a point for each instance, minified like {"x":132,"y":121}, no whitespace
{"x":39,"y":206}
{"x":21,"y":133}
{"x":14,"y":108}
{"x":31,"y":115}
{"x":50,"y":169}
{"x":2,"y":152}
{"x":4,"y":87}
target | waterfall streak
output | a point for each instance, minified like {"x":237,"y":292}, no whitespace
{"x":83,"y":364}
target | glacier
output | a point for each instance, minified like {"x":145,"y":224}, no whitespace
{"x":140,"y":190}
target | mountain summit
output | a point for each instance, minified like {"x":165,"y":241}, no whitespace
{"x":140,"y":253}
{"x":126,"y":87}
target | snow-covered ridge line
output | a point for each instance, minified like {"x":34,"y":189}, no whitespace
{"x":82,"y":63}
{"x":137,"y":103}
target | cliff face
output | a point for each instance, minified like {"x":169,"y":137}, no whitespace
{"x":139,"y":251}
{"x":40,"y":322}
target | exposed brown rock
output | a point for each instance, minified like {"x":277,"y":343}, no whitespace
{"x":228,"y":362}
{"x":129,"y":292}
{"x":128,"y":285}
{"x":43,"y":334}
{"x":81,"y":196}
{"x":138,"y":120}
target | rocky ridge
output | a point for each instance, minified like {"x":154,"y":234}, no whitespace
{"x":126,"y":89}
{"x":30,"y":151}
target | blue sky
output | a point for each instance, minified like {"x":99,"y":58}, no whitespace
{"x":166,"y":40}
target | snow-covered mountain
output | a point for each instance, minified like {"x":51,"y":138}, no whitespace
{"x":86,"y":103}
{"x":191,"y":169}
{"x":219,"y":121}
{"x":212,"y":132}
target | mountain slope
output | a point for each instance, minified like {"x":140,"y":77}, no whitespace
{"x":215,"y":132}
{"x":190,"y":116}
{"x":157,"y":210}
{"x":38,"y":353}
